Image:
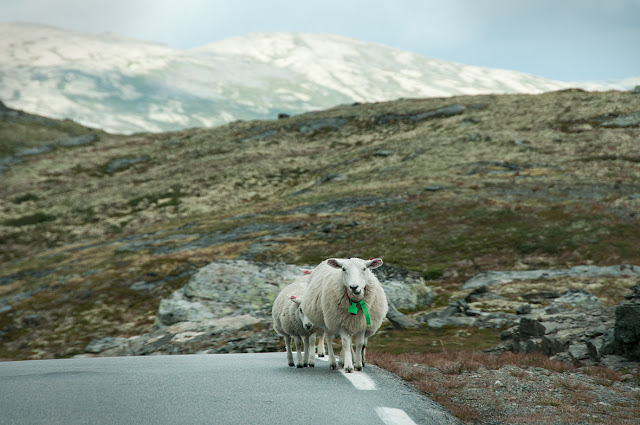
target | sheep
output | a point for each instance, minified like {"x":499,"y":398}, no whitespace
{"x":289,"y":321}
{"x":340,"y":294}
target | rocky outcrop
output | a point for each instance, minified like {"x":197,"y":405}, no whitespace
{"x":576,"y":328}
{"x":228,"y":288}
{"x":234,"y":334}
{"x":562,"y":321}
{"x":226,"y":307}
{"x":496,"y":277}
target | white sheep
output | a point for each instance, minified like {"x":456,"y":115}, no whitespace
{"x":345,"y":298}
{"x":289,"y":321}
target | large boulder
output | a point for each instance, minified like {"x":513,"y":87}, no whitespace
{"x":228,"y":287}
{"x":236,"y":287}
{"x":627,"y":326}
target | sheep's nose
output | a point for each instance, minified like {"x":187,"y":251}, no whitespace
{"x":309,"y":326}
{"x":354,"y":289}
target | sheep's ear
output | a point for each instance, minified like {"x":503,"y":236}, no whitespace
{"x":374,"y":263}
{"x":335,"y":263}
{"x":295,"y":299}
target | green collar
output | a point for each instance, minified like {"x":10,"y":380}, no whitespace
{"x":353,"y":309}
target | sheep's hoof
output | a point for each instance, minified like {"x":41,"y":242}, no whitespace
{"x":291,"y":365}
{"x":333,"y":366}
{"x":306,"y":365}
{"x":299,"y":366}
{"x":320,"y":355}
{"x":358,"y":368}
{"x":348,"y":369}
{"x":312,"y":365}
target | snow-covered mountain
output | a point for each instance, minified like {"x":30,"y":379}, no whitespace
{"x":124,"y":85}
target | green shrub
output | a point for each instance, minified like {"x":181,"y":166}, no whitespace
{"x":27,"y":220}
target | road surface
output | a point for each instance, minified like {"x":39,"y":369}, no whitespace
{"x":206,"y":389}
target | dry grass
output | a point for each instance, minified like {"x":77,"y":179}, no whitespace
{"x":481,"y":388}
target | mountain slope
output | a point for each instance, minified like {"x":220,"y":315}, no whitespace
{"x":93,"y":235}
{"x":123,"y":85}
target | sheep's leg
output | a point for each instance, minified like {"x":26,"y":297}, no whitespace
{"x":298,"y":350}
{"x":360,"y":344}
{"x":346,"y":349}
{"x":364,"y":351}
{"x":332,"y":357}
{"x":310,"y":350}
{"x":287,"y":343}
{"x":305,"y":341}
{"x":321,"y":350}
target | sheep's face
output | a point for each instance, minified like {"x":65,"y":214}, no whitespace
{"x":354,"y":274}
{"x":306,"y":323}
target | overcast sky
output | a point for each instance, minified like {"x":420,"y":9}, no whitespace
{"x":569,"y":40}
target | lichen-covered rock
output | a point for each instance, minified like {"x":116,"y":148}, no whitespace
{"x":234,"y":287}
{"x":497,"y":277}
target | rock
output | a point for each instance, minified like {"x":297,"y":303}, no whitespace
{"x":384,"y":153}
{"x":524,"y":309}
{"x":469,"y":121}
{"x":452,"y":309}
{"x":627,"y":326}
{"x":405,"y":289}
{"x":482,"y":294}
{"x":399,"y":320}
{"x":531,"y":328}
{"x":33,"y":320}
{"x":577,"y":298}
{"x":99,"y":345}
{"x":87,"y":139}
{"x":260,"y":135}
{"x":616,"y":362}
{"x":180,"y":308}
{"x":475,"y":137}
{"x":537,"y":297}
{"x":283,"y":115}
{"x":552,"y":345}
{"x":498,"y":277}
{"x":35,"y":151}
{"x":600,"y":346}
{"x":437,"y":323}
{"x":321,"y":124}
{"x":236,"y":287}
{"x":121,"y":164}
{"x":623,"y":121}
{"x":578,"y":351}
{"x":332,"y":177}
{"x":447,"y":111}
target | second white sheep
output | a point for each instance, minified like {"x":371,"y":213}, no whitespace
{"x":290,"y":321}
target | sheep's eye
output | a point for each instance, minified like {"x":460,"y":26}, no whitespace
{"x":300,"y":310}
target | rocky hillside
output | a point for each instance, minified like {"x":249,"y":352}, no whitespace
{"x":97,"y":229}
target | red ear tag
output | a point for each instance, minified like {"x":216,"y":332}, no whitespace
{"x":371,"y":259}
{"x":307,"y":272}
{"x":293,"y":297}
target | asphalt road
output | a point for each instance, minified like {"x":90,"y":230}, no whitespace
{"x":206,"y":389}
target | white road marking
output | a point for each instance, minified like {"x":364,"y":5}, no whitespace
{"x":391,"y":416}
{"x":388,"y":415}
{"x":360,"y":380}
